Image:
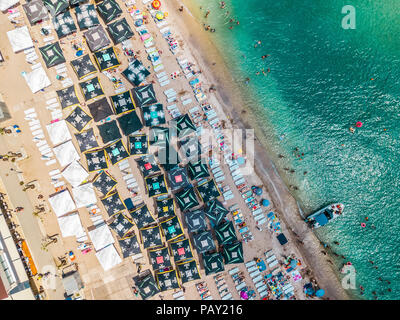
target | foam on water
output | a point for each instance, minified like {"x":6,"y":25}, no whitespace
{"x":320,"y":85}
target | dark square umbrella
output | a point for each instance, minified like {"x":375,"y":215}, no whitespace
{"x":203,"y":242}
{"x":52,"y":54}
{"x":178,"y":178}
{"x":187,"y":199}
{"x":79,"y":119}
{"x":116,"y":152}
{"x":216,"y":212}
{"x":156,"y":185}
{"x":188,"y":271}
{"x":104,"y":182}
{"x":213,"y":263}
{"x":208,"y":191}
{"x":109,"y":131}
{"x":96,"y":38}
{"x":113,"y":204}
{"x":160,"y":258}
{"x":121,"y":225}
{"x":151,"y":237}
{"x":225,"y":233}
{"x":107,"y":59}
{"x":129,"y":246}
{"x":86,"y":140}
{"x":96,"y":160}
{"x":146,"y":285}
{"x":172,"y":228}
{"x":109,"y":10}
{"x":136,"y":72}
{"x":141,"y":216}
{"x":183,"y":126}
{"x":55,"y":7}
{"x":159,"y":136}
{"x":153,"y":115}
{"x":195,"y":220}
{"x":168,"y":158}
{"x":167,"y":280}
{"x":64,"y":24}
{"x":198,"y":170}
{"x":91,"y":88}
{"x":233,"y":253}
{"x":148,"y":165}
{"x":144,"y":95}
{"x":181,"y":249}
{"x":119,"y":31}
{"x":100,"y":109}
{"x":83,"y":66}
{"x":191,"y":149}
{"x":122,"y":102}
{"x":129,"y":123}
{"x":86,"y":16}
{"x":67,"y":97}
{"x":165,"y":207}
{"x":138,"y":144}
{"x":35,"y":11}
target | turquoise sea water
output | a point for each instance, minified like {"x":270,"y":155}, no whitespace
{"x":320,"y":85}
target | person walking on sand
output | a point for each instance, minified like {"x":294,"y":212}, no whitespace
{"x":207,"y":13}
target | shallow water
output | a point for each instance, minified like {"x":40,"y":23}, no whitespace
{"x":320,"y":85}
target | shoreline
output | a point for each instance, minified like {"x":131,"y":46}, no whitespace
{"x":284,"y":201}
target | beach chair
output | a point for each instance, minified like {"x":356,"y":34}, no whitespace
{"x":270,"y":258}
{"x":255,"y":273}
{"x":233,"y":271}
{"x":273,"y":264}
{"x":220,"y":179}
{"x":240,"y":286}
{"x":252,"y":268}
{"x":258,"y":281}
{"x":227,"y":297}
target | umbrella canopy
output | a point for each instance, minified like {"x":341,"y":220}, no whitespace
{"x":122,"y":102}
{"x":191,"y":149}
{"x":165,"y":208}
{"x":213,"y":263}
{"x":151,"y":237}
{"x":136,"y":72}
{"x":186,"y":199}
{"x":55,"y":7}
{"x":195,"y":221}
{"x":104,"y":182}
{"x":153,"y":115}
{"x":121,"y":225}
{"x":129,"y":123}
{"x":167,"y":280}
{"x":86,"y":16}
{"x":216,"y":212}
{"x":233,"y":253}
{"x":86,"y":140}
{"x":144,"y":95}
{"x":109,"y":131}
{"x":156,"y":185}
{"x":64,"y":24}
{"x":159,"y":136}
{"x":203,"y":242}
{"x":100,"y":109}
{"x":91,"y":88}
{"x":52,"y":54}
{"x":178,"y":178}
{"x":168,"y":158}
{"x":119,"y":31}
{"x":129,"y":246}
{"x":35,"y":11}
{"x":198,"y":170}
{"x":109,"y":10}
{"x":225,"y":233}
{"x":181,"y":249}
{"x":96,"y":160}
{"x":160,"y":258}
{"x":148,"y":165}
{"x":183,"y":125}
{"x":67,"y":97}
{"x":107,"y":59}
{"x":146,"y":285}
{"x":79,"y":119}
{"x":138,"y":144}
{"x":172,"y":228}
{"x":83,"y":66}
{"x":188,"y":271}
{"x":141,"y":216}
{"x":96,"y":38}
{"x":116,"y":152}
{"x":320,"y":293}
{"x":208,"y":191}
{"x":113,"y":204}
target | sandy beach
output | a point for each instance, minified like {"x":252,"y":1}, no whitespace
{"x":117,"y":282}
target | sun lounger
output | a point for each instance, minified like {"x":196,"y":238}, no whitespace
{"x":238,"y":177}
{"x":127,"y":177}
{"x":240,"y":286}
{"x":220,"y":179}
{"x":158,"y":68}
{"x":163,"y":79}
{"x":123,"y":165}
{"x":271,"y":258}
{"x":258,"y":281}
{"x":161,"y":74}
{"x":163,"y":84}
{"x":227,"y":297}
{"x":239,"y":182}
{"x":250,"y":264}
{"x":233,"y":271}
{"x":273,"y":264}
{"x":218,"y":174}
{"x":252,"y":268}
{"x":216,"y":170}
{"x":255,"y":273}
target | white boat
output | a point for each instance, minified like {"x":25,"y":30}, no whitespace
{"x":325,"y":215}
